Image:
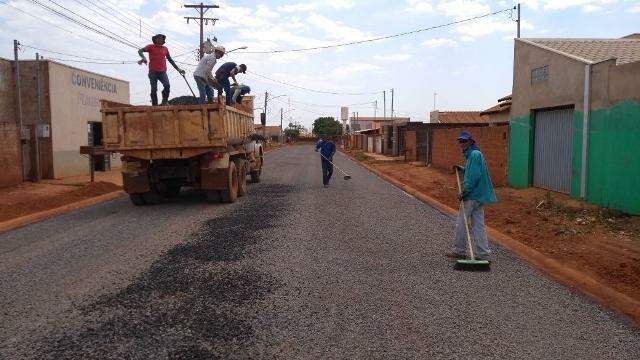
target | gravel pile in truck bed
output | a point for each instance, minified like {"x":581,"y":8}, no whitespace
{"x":183,"y":100}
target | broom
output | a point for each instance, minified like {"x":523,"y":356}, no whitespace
{"x":346,"y":176}
{"x":470,"y":264}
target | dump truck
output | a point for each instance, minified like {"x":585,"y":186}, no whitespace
{"x":164,"y":148}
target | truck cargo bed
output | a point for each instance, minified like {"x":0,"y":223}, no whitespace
{"x":174,"y":131}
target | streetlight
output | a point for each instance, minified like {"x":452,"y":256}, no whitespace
{"x":240,"y":48}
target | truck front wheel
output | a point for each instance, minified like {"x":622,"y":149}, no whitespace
{"x":230,"y":194}
{"x":242,"y":167}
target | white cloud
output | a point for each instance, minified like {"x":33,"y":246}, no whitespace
{"x":264,"y":11}
{"x":336,"y":30}
{"x":635,"y":9}
{"x":434,"y":43}
{"x":311,"y":6}
{"x":393,"y":57}
{"x":419,"y":6}
{"x":462,"y":9}
{"x":354,"y":68}
{"x":591,"y":8}
{"x":486,"y":26}
{"x":340,"y":4}
{"x":298,"y":7}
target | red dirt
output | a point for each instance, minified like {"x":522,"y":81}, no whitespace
{"x":598,"y":242}
{"x":30,"y":198}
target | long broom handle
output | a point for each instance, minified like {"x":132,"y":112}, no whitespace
{"x":185,"y":80}
{"x":333,"y":164}
{"x":464,"y":215}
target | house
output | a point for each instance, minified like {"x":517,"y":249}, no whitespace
{"x":499,"y":113}
{"x":575,"y":119}
{"x":453,"y":117}
{"x":358,"y":123}
{"x":69,"y":106}
{"x":271,"y":132}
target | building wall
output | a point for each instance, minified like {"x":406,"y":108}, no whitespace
{"x":492,"y":140}
{"x":75,"y":99}
{"x":613,"y":175}
{"x":9,"y":142}
{"x":564,"y":87}
{"x":11,"y":173}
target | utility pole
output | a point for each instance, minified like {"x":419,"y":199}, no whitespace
{"x":16,"y":46}
{"x":391,"y":102}
{"x":281,"y":134}
{"x":434,"y":100}
{"x":264,"y":126}
{"x":384,"y":106}
{"x":38,"y":117}
{"x":518,"y":21}
{"x":202,"y":21}
{"x":375,"y":108}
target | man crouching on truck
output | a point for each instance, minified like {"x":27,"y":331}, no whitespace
{"x":158,"y":54}
{"x":203,"y":75}
{"x":224,"y":72}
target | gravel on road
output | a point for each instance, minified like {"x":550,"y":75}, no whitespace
{"x":293,"y":270}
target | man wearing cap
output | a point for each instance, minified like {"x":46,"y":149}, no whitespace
{"x":327,"y":149}
{"x":477,"y":191}
{"x":158,"y":54}
{"x":226,"y":70}
{"x":203,"y":75}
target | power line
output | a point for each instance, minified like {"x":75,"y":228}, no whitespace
{"x":312,"y":90}
{"x":378,"y":38}
{"x":67,"y":17}
{"x":60,"y":27}
{"x":95,"y":62}
{"x":72,"y":55}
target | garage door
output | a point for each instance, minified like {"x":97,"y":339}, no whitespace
{"x":553,"y":150}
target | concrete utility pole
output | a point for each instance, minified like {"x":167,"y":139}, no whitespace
{"x":434,"y":100}
{"x":202,"y":21}
{"x":264,"y":126}
{"x":391,"y":102}
{"x":38,"y":117}
{"x":518,"y":21}
{"x":384,"y":102}
{"x":375,"y":108}
{"x":16,"y":46}
{"x":281,"y":134}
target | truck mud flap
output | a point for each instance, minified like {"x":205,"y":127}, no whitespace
{"x":216,"y":179}
{"x":136,"y":184}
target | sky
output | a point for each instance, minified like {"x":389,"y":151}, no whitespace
{"x":467,"y":65}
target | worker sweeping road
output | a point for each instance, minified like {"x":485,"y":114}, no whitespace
{"x":476,"y":192}
{"x":203,"y":75}
{"x":158,"y":56}
{"x":226,"y":70}
{"x":327,"y":149}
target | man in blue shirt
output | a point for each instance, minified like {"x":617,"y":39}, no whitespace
{"x":477,"y":191}
{"x":327,"y":148}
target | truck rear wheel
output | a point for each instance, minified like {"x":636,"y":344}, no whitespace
{"x":255,"y":176}
{"x":230,"y":195}
{"x":137,"y":199}
{"x":242,"y":166}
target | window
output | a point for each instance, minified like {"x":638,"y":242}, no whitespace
{"x":540,"y":74}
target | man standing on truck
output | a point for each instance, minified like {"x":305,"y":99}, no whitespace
{"x":327,"y":149}
{"x":226,"y":70}
{"x":158,"y":54}
{"x":203,"y":75}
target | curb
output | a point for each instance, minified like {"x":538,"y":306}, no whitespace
{"x":42,"y":215}
{"x":572,"y":278}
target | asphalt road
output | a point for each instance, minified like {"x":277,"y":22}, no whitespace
{"x":293,"y":270}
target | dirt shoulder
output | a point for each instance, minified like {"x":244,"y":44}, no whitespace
{"x":31,"y":198}
{"x":601,"y":243}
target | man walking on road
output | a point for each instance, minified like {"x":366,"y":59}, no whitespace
{"x":203,"y":76}
{"x":477,"y":191}
{"x":226,"y":70}
{"x":158,"y":54}
{"x":327,"y":148}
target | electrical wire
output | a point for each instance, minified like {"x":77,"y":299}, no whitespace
{"x":72,"y":55}
{"x":60,"y":27}
{"x":380,"y":37}
{"x":95,"y":62}
{"x":67,"y":17}
{"x":313,"y":90}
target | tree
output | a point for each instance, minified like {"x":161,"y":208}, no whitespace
{"x":293,"y":130}
{"x":327,"y":126}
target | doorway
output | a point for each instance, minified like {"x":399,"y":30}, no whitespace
{"x":95,"y":139}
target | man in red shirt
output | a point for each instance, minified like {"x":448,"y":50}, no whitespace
{"x":158,"y":54}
